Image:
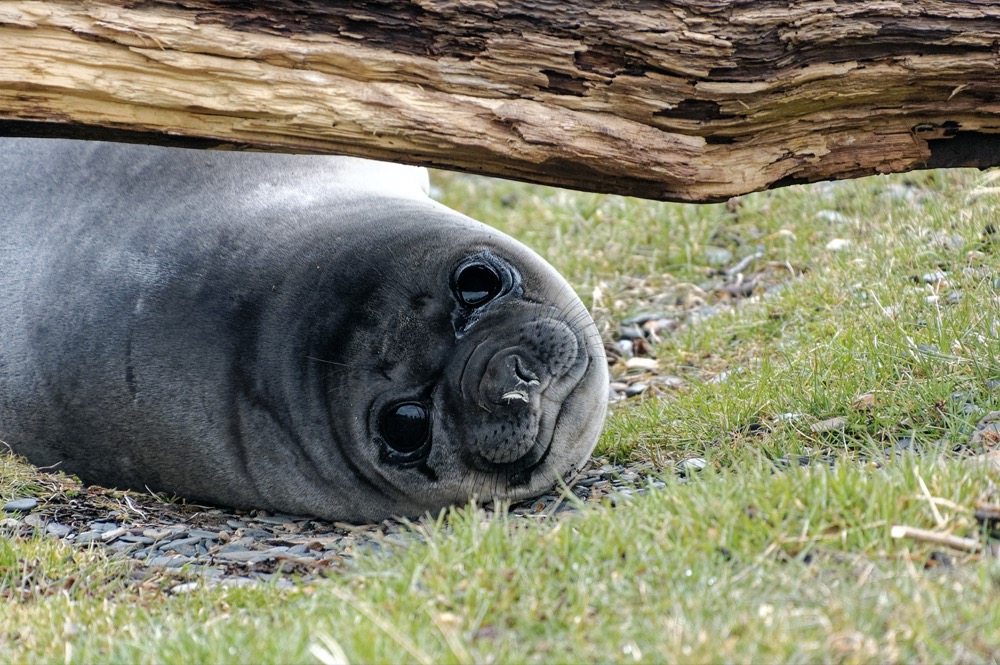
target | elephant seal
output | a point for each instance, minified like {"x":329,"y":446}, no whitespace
{"x":304,"y":334}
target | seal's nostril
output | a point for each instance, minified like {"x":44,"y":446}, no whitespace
{"x":523,"y":373}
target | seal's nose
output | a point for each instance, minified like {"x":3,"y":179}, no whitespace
{"x":508,"y":379}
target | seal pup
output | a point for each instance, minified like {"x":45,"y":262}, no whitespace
{"x":304,"y":334}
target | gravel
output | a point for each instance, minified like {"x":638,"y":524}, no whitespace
{"x":220,"y":546}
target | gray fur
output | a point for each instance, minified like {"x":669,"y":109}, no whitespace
{"x":226,"y":327}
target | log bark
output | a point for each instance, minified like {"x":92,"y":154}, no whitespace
{"x":692,"y":100}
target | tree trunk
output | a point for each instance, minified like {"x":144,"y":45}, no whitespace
{"x":692,"y":100}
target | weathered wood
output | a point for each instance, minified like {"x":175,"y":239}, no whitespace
{"x":684,"y":99}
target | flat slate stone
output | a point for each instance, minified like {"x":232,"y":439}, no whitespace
{"x":20,"y":505}
{"x":58,"y":530}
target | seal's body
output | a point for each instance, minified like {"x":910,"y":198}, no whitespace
{"x":312,"y":335}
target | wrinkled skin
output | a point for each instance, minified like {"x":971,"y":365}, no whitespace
{"x":233,"y":328}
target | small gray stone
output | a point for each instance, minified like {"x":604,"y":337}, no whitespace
{"x":987,"y":430}
{"x":257,"y":533}
{"x":179,"y":543}
{"x":242,"y":557}
{"x":640,"y":319}
{"x":184,"y":550}
{"x":234,"y":546}
{"x":692,"y":464}
{"x":20,"y":505}
{"x":204,"y":535}
{"x":620,"y":498}
{"x":832,"y":217}
{"x":670,"y":382}
{"x":113,"y":534}
{"x":298,"y":549}
{"x":631,"y":332}
{"x":717,"y":256}
{"x":157,"y":534}
{"x":88,"y":537}
{"x":238,"y":581}
{"x":636,"y":389}
{"x":103,"y":527}
{"x":139,"y":540}
{"x":37,"y":521}
{"x":58,"y":530}
{"x":168,"y":561}
{"x":628,"y":476}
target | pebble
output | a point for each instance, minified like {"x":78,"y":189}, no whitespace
{"x":626,"y":347}
{"x":717,"y":256}
{"x":256,"y":533}
{"x":631,"y":332}
{"x":58,"y":530}
{"x":829,"y":425}
{"x":139,"y":540}
{"x":156,"y":534}
{"x":832,"y":217}
{"x":242,"y":557}
{"x":88,"y":537}
{"x":20,"y":506}
{"x":112,"y":534}
{"x":35,"y":520}
{"x":203,"y":535}
{"x":722,"y":377}
{"x":692,"y":464}
{"x":838,"y":245}
{"x":180,"y":542}
{"x":987,"y":432}
{"x":175,"y":561}
{"x":636,"y":389}
{"x":103,"y":527}
{"x":186,"y":587}
{"x":642,"y":319}
{"x":258,"y":548}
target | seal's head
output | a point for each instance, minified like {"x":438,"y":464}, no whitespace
{"x":490,"y":380}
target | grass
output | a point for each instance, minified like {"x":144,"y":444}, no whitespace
{"x":741,"y":563}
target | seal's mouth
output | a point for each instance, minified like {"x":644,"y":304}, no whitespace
{"x":536,"y":404}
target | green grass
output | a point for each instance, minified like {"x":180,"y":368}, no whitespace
{"x":742,"y":563}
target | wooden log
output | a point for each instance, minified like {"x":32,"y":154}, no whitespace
{"x":681,"y":100}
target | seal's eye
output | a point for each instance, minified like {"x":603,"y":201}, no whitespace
{"x":405,"y":427}
{"x":476,"y":284}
